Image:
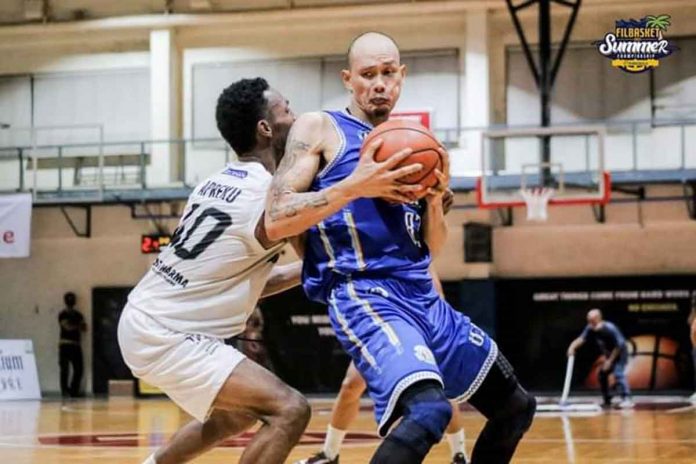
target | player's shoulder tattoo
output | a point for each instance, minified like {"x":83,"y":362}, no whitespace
{"x":294,"y":149}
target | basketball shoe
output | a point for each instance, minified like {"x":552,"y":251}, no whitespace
{"x":626,"y":403}
{"x":319,"y":458}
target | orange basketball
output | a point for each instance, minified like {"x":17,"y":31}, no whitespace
{"x":398,"y":134}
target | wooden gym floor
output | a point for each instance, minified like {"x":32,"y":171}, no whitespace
{"x":125,"y":431}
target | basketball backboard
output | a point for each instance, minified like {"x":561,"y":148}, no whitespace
{"x":569,"y":160}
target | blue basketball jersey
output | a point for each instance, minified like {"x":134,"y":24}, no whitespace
{"x":369,"y":262}
{"x":368,"y":237}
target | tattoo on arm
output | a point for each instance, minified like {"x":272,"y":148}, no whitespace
{"x":286,"y":201}
{"x":287,"y":164}
{"x":295,"y":147}
{"x":292,"y":206}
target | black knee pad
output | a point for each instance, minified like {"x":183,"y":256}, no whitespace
{"x":528,"y":415}
{"x":426,"y":413}
{"x":519,"y":413}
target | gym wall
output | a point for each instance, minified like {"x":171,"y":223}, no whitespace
{"x":33,"y":287}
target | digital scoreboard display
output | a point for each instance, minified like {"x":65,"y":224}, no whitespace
{"x":154,"y":243}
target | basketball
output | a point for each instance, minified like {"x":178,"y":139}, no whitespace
{"x":398,"y":134}
{"x":652,"y":364}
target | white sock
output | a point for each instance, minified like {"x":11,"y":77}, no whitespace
{"x":333,"y":442}
{"x":150,"y":460}
{"x":457,"y":443}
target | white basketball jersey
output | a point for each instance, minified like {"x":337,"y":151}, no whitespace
{"x":209,"y":279}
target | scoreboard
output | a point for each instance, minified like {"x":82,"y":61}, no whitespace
{"x":154,"y":243}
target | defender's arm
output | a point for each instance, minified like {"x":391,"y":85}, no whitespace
{"x":299,"y":244}
{"x":283,"y":277}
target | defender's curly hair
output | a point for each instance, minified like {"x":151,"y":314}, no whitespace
{"x":239,"y":108}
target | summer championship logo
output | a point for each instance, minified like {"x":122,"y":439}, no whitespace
{"x":637,"y":45}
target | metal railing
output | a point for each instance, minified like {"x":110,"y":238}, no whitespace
{"x":636,"y":132}
{"x":92,"y":168}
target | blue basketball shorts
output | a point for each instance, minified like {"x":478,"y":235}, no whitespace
{"x":399,"y":333}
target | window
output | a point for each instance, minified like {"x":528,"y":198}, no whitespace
{"x":432,"y":83}
{"x":117,"y":100}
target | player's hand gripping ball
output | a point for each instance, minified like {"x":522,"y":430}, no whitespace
{"x":397,"y":134}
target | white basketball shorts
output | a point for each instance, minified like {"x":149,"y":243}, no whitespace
{"x":190,"y":368}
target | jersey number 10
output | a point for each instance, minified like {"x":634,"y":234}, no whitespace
{"x":182,"y":234}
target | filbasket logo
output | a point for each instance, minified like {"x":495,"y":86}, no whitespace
{"x":637,"y":45}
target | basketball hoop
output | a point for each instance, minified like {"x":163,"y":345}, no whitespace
{"x":514,"y":174}
{"x":537,"y":201}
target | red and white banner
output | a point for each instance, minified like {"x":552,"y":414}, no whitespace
{"x":422,"y":116}
{"x":15,"y":225}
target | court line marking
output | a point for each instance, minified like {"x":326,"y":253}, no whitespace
{"x":608,"y":460}
{"x":691,"y":407}
{"x":350,"y":445}
{"x":472,"y":440}
{"x":130,"y":450}
{"x":74,"y":410}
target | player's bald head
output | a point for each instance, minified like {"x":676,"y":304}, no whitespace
{"x":372,"y":43}
{"x":374,"y":76}
{"x":594,"y":315}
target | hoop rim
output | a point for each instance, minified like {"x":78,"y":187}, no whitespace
{"x":570,"y":201}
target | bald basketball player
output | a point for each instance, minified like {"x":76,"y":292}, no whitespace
{"x":613,"y":344}
{"x":202,"y":288}
{"x":368,"y":259}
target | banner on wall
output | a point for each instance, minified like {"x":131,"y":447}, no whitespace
{"x":19,"y":379}
{"x":15,"y":225}
{"x":423,"y":116}
{"x":538,"y":318}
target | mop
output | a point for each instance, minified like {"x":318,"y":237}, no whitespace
{"x":563,"y":405}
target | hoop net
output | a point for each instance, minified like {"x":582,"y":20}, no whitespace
{"x":537,"y":201}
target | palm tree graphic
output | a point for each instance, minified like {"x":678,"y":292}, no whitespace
{"x":660,"y":23}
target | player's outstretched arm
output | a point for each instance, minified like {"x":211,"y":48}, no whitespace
{"x":283,"y":277}
{"x":291,"y":209}
{"x":435,"y":229}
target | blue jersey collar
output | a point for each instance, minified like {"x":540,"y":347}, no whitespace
{"x":345,"y":113}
